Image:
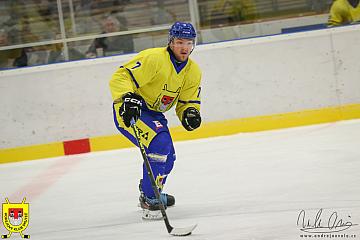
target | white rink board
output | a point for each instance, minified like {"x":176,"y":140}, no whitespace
{"x":251,"y":77}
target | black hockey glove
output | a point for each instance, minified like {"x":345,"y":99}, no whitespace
{"x":191,"y":119}
{"x":131,"y":108}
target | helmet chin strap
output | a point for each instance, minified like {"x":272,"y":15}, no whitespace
{"x":192,"y":49}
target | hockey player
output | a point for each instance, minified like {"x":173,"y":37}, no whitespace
{"x":142,"y":89}
{"x":344,"y":12}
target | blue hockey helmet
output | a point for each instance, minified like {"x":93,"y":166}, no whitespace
{"x":182,"y":30}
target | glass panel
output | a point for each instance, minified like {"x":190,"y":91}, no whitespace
{"x":89,"y":17}
{"x":110,"y":46}
{"x":151,"y":39}
{"x":218,"y":13}
{"x":100,"y":47}
{"x":29,"y":56}
{"x":57,"y":54}
{"x":234,"y":19}
{"x":106,"y":46}
{"x":12,"y":58}
{"x":30,"y":21}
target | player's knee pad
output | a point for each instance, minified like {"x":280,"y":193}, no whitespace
{"x":160,"y":148}
{"x":161,"y":156}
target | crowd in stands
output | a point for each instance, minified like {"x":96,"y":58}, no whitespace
{"x":34,"y":21}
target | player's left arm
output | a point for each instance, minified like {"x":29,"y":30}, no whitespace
{"x":188,"y":106}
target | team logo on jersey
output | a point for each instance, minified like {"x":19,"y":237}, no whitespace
{"x":158,"y":125}
{"x":166,"y":99}
{"x":15,"y":217}
{"x":165,"y":102}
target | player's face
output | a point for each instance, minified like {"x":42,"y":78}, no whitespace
{"x":181,"y":48}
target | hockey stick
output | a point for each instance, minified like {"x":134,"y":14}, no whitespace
{"x":171,"y":230}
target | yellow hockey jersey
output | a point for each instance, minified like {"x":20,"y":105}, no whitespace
{"x":342,"y":12}
{"x":159,"y":80}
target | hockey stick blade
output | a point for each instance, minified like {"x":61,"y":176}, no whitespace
{"x":183,"y":231}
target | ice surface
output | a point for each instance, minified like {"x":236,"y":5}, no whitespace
{"x":245,"y":186}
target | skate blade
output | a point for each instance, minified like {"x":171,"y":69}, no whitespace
{"x":152,"y":215}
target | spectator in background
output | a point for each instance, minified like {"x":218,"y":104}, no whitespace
{"x":11,"y":57}
{"x":38,"y":22}
{"x":107,"y":46}
{"x":344,"y":12}
{"x":227,"y":12}
{"x":56,"y":53}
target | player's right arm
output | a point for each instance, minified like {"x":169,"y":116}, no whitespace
{"x":133,"y":75}
{"x":125,"y":83}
